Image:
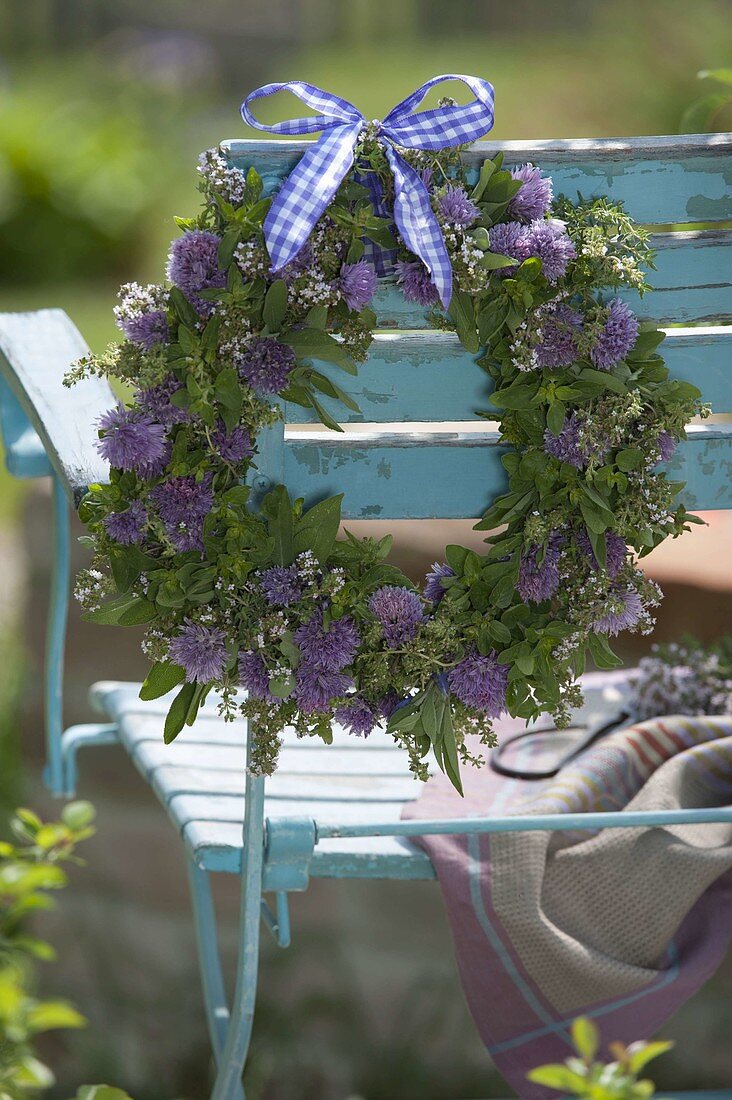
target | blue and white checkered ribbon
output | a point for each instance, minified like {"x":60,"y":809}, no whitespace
{"x":310,"y":187}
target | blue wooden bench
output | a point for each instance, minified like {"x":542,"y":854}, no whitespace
{"x":335,"y":810}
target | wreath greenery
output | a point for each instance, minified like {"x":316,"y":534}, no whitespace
{"x":319,"y":628}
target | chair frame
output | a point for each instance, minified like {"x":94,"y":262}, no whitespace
{"x":276,"y":853}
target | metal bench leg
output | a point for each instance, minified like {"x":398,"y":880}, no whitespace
{"x":55,"y":640}
{"x":228,"y":1080}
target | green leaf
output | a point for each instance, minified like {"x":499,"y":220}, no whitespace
{"x":317,"y":529}
{"x":183,"y":308}
{"x":324,"y":415}
{"x":629,"y":459}
{"x":176,"y":717}
{"x":315,"y":344}
{"x":282,"y":686}
{"x":227,"y":246}
{"x":555,"y":417}
{"x":462,"y":311}
{"x":486,"y":171}
{"x":557,"y":1077}
{"x":602,"y":654}
{"x":494,"y":261}
{"x":277,"y":508}
{"x":227,"y":389}
{"x":640,"y":1054}
{"x":126,"y":610}
{"x":78,"y":815}
{"x":275,"y":305}
{"x":47,"y":1015}
{"x":585,"y":1037}
{"x":604,"y":379}
{"x":491,"y":318}
{"x":162,"y":678}
{"x":100,"y":1092}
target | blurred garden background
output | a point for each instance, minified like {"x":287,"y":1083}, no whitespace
{"x":103,"y":109}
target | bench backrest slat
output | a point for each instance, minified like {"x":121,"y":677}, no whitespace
{"x":662,"y":180}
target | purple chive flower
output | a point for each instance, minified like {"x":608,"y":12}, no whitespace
{"x":617,"y":336}
{"x":315,"y":688}
{"x":456,"y":208}
{"x":266,"y":365}
{"x":234,"y":446}
{"x":556,"y":344}
{"x":357,"y":716}
{"x":509,"y":239}
{"x":426,"y":174}
{"x":399,"y":610}
{"x":616,"y":551}
{"x":126,"y":527}
{"x":569,"y":446}
{"x":480,"y":682}
{"x":539,"y":580}
{"x":201,"y":651}
{"x":331,"y":649}
{"x":623,"y":611}
{"x":156,"y":402}
{"x":253,"y":676}
{"x":147,"y":329}
{"x":183,"y":504}
{"x":667,"y":445}
{"x":193,"y":262}
{"x":433,"y":589}
{"x":550,"y":242}
{"x":358,"y":284}
{"x":280,"y":585}
{"x":131,"y":441}
{"x":416,"y":283}
{"x":535,"y":196}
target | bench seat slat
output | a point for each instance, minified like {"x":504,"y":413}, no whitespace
{"x":201,"y":783}
{"x":429,"y":376}
{"x":456,"y":475}
{"x":662,"y":180}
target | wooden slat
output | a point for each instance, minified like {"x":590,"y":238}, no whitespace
{"x":455,"y":475}
{"x":662,"y":180}
{"x":36,"y":350}
{"x":304,"y":761}
{"x":205,"y":799}
{"x":428,"y":376}
{"x":692,"y":284}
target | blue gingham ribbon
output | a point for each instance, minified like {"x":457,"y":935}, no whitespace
{"x":311,"y":185}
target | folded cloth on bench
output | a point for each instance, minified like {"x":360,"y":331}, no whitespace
{"x":622,"y":925}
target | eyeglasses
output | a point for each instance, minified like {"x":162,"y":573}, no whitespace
{"x":543,"y":743}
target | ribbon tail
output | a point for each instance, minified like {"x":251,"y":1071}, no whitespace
{"x":418,"y":225}
{"x":307,"y":191}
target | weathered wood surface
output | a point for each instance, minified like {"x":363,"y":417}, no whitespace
{"x":662,"y":180}
{"x":455,"y":475}
{"x":36,"y":350}
{"x":200,"y":781}
{"x":429,"y":376}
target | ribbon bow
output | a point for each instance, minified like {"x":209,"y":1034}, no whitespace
{"x":311,"y":185}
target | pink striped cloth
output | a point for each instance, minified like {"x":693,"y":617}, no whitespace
{"x":622,"y":925}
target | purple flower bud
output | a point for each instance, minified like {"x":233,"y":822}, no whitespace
{"x":617,"y":336}
{"x":357,"y":716}
{"x":539,"y":580}
{"x":126,"y":527}
{"x":433,"y":589}
{"x":535,"y":196}
{"x":400,"y":612}
{"x":549,"y":241}
{"x":358,"y":284}
{"x":456,"y":208}
{"x":480,"y":681}
{"x":416,"y":283}
{"x":330,"y":649}
{"x":201,"y":651}
{"x":131,"y":440}
{"x":315,"y":688}
{"x":253,"y":676}
{"x":266,"y":365}
{"x":623,"y":611}
{"x":281,"y":585}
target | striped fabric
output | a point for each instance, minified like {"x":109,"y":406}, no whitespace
{"x":622,"y":925}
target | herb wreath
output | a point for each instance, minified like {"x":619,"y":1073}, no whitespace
{"x":319,"y":628}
